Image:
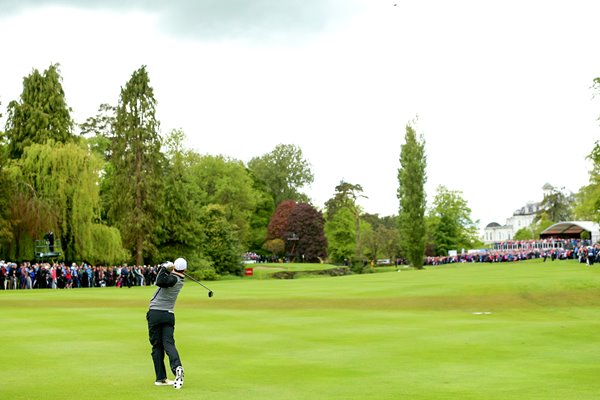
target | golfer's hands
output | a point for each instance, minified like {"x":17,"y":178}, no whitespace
{"x":168,"y":266}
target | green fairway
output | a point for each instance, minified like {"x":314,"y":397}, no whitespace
{"x":523,"y":330}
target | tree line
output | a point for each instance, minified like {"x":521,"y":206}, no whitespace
{"x":114,"y":189}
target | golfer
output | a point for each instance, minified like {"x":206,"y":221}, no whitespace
{"x":161,"y":322}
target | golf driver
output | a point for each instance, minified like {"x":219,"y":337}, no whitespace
{"x":210,"y":292}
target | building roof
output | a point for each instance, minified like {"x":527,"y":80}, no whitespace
{"x":493,"y":225}
{"x":529,"y":209}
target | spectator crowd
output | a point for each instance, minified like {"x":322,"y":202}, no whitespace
{"x":28,"y":275}
{"x":510,"y":251}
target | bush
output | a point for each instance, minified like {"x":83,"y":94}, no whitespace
{"x":203,"y":270}
{"x":340,"y":271}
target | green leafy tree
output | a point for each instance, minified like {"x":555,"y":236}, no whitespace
{"x":136,"y":172}
{"x":306,"y":223}
{"x":106,"y":246}
{"x":368,"y":247}
{"x":384,"y":240}
{"x":341,"y":236}
{"x":221,"y":245}
{"x":65,"y":176}
{"x":275,"y":246}
{"x":450,"y":221}
{"x":557,"y":205}
{"x":227,"y":182}
{"x":587,"y":203}
{"x":542,"y":222}
{"x":259,"y":220}
{"x":587,"y":200}
{"x":412,"y":197}
{"x":8,"y":186}
{"x":524,"y":234}
{"x":28,"y":216}
{"x":284,"y":172}
{"x":345,"y":197}
{"x":41,"y":114}
{"x":100,"y":131}
{"x":381,"y":242}
{"x":179,"y":226}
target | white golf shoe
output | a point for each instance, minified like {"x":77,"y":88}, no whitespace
{"x":178,"y":384}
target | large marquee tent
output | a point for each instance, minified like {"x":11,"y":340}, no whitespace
{"x":572,"y":230}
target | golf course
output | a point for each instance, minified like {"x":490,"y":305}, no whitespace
{"x":522,"y":330}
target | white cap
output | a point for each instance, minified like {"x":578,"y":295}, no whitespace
{"x":180,"y":264}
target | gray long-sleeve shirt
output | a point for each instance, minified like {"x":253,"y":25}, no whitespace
{"x":165,"y":296}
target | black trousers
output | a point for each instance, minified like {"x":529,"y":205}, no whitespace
{"x":161,"y":326}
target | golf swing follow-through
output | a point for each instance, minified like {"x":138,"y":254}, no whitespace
{"x":161,"y":321}
{"x":210,"y":292}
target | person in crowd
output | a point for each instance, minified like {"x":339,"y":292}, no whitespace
{"x":2,"y":276}
{"x":125,"y":277}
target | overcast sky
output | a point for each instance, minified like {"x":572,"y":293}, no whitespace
{"x":502,"y":89}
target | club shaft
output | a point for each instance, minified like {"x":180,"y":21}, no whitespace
{"x":198,"y":282}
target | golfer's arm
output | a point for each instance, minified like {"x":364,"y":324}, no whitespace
{"x":164,"y":279}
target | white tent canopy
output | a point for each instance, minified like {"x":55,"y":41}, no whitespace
{"x":573,"y":229}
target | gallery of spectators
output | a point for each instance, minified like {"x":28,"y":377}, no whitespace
{"x":523,"y":217}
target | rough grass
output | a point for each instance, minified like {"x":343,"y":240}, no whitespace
{"x":523,"y":331}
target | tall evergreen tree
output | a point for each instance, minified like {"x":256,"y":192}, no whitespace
{"x":137,"y":161}
{"x":41,"y":114}
{"x":98,"y":132}
{"x":411,"y":194}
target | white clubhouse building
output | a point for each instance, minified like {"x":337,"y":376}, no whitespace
{"x":521,"y":218}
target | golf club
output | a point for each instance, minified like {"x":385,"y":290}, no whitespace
{"x":210,"y":292}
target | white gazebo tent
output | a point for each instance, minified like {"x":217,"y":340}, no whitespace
{"x":572,"y":230}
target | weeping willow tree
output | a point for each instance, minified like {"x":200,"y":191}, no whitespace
{"x":106,"y":247}
{"x":6,"y":184}
{"x":65,"y":178}
{"x":28,"y":217}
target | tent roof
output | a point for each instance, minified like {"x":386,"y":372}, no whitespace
{"x":571,"y":227}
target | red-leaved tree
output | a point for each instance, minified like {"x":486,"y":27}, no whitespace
{"x":305,"y":226}
{"x":277,"y":228}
